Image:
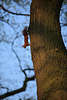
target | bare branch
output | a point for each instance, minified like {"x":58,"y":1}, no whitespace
{"x":4,"y":87}
{"x":63,"y":24}
{"x":13,"y":12}
{"x":22,"y":89}
{"x":30,"y":69}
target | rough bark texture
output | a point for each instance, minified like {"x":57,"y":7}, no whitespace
{"x":48,"y":52}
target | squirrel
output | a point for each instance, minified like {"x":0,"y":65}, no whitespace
{"x":25,"y":33}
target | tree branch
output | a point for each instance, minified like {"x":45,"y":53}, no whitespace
{"x":30,"y":69}
{"x":63,"y":24}
{"x":13,"y":12}
{"x":22,"y":89}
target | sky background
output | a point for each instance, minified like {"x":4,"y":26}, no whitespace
{"x":14,"y":59}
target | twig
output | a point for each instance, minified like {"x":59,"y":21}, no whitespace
{"x":63,"y":24}
{"x":13,"y":12}
{"x":22,"y":89}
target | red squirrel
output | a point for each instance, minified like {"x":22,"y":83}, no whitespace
{"x":25,"y":33}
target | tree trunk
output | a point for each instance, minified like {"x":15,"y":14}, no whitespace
{"x":48,"y":51}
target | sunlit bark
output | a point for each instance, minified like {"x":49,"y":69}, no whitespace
{"x":48,"y":52}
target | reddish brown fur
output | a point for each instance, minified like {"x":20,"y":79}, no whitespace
{"x":25,"y":37}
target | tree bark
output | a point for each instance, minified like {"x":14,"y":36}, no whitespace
{"x":48,"y":51}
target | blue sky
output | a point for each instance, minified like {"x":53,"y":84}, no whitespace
{"x":13,"y":57}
